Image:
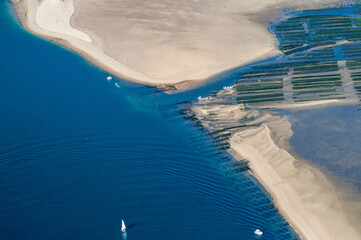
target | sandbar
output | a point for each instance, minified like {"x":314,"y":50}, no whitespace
{"x":313,"y":204}
{"x":160,"y":42}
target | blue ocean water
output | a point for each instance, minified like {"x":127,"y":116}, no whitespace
{"x":78,"y":154}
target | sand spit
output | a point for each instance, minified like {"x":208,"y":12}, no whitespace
{"x":315,"y":104}
{"x":304,"y":195}
{"x":157,"y":42}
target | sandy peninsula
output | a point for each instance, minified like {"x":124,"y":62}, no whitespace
{"x":316,"y":207}
{"x":160,"y":42}
{"x":304,"y":195}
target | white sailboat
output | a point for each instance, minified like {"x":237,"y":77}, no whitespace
{"x":124,"y":228}
{"x":109,"y":78}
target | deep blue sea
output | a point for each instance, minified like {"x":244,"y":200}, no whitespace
{"x":78,"y":154}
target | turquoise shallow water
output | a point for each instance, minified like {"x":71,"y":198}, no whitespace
{"x":78,"y":154}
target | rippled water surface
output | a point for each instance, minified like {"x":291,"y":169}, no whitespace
{"x":78,"y":154}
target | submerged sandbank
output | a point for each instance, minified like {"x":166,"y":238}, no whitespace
{"x":160,"y":43}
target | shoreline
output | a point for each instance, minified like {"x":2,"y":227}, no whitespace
{"x":93,"y":52}
{"x":22,"y":13}
{"x":290,"y":201}
{"x":261,"y":45}
{"x":255,"y":157}
{"x":305,"y":196}
{"x":275,"y":200}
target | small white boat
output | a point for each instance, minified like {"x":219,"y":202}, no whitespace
{"x":116,"y":84}
{"x":109,"y":78}
{"x":200,"y":98}
{"x":258,"y":232}
{"x":124,"y":228}
{"x":225,"y":87}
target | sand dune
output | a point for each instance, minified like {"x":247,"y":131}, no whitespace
{"x":305,"y":196}
{"x":302,"y":192}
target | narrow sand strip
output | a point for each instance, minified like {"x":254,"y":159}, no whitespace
{"x":314,"y":206}
{"x":302,"y":193}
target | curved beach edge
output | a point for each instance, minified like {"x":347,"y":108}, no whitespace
{"x":27,"y":11}
{"x":316,"y":204}
{"x":302,"y":193}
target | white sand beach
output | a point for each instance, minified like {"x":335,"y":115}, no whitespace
{"x":157,"y":42}
{"x":55,"y":15}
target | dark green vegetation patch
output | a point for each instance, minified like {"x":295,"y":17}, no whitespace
{"x":322,"y":56}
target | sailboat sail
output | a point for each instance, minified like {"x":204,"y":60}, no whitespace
{"x":123,"y":226}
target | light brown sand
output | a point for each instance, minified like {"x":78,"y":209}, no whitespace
{"x":173,"y":41}
{"x":304,"y":195}
{"x":161,"y":42}
{"x":302,"y":192}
